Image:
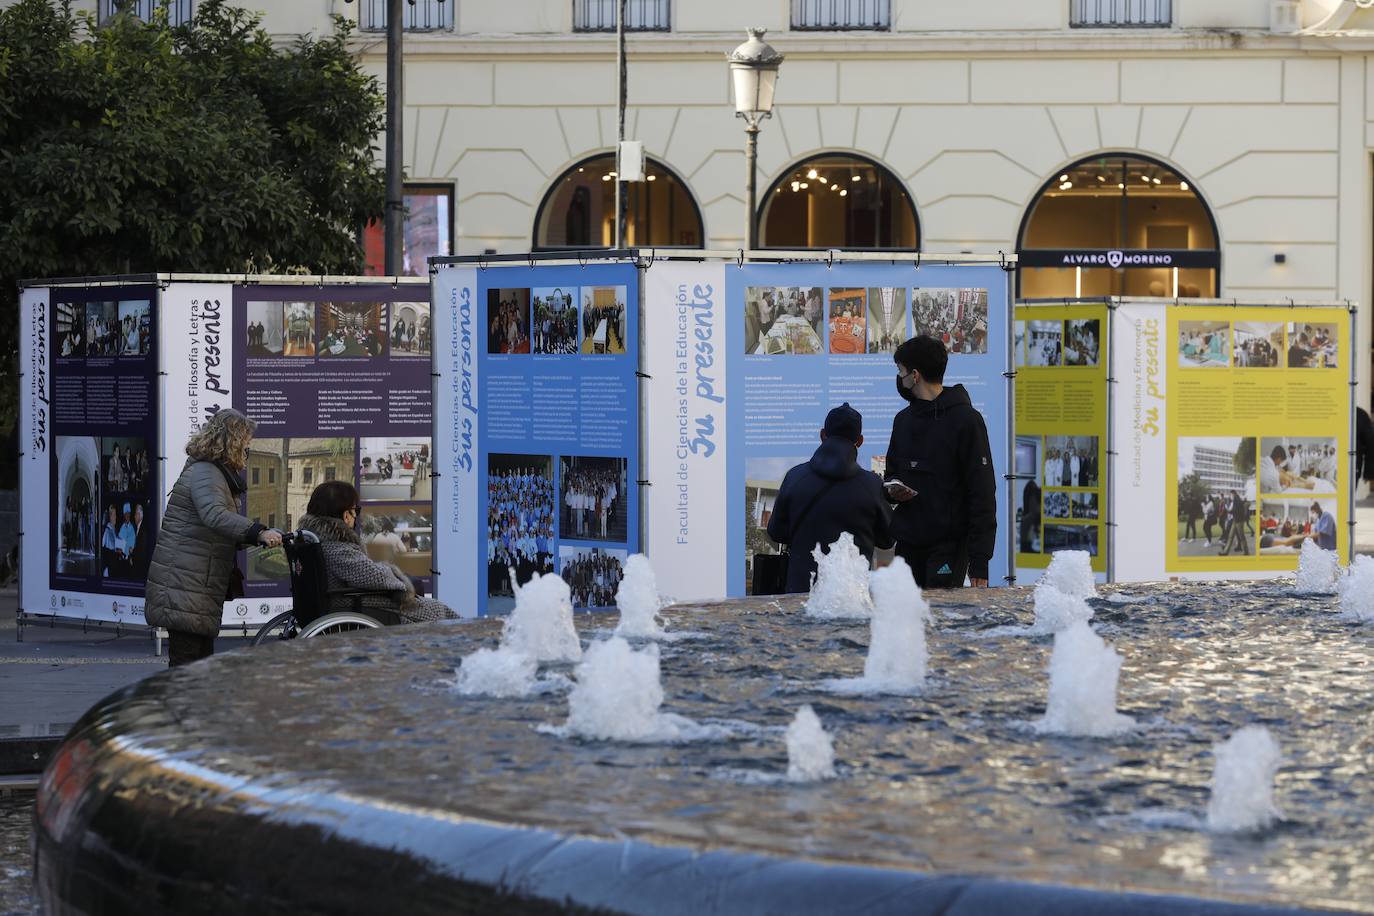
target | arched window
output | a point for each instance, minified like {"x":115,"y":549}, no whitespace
{"x":838,"y":201}
{"x":579,"y":210}
{"x":1118,"y":225}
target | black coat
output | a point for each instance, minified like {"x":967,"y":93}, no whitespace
{"x":855,"y":503}
{"x":940,"y":449}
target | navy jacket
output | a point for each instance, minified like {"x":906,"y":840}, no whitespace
{"x":940,"y":449}
{"x":856,"y":503}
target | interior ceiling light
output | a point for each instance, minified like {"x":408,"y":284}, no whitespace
{"x":834,"y":187}
{"x":805,"y":185}
{"x":1063,"y":177}
{"x":796,"y":185}
{"x":605,"y":177}
{"x":855,"y":178}
{"x":1101,"y":177}
{"x":653,"y":178}
{"x":1145,"y":178}
{"x":1122,"y":186}
{"x":820,"y":178}
{"x":1183,"y":185}
{"x":844,"y":193}
{"x":811,"y":174}
{"x":1155,"y":180}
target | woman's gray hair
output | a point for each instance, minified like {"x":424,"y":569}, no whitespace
{"x":223,"y":438}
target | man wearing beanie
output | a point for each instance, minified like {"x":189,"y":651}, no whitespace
{"x":940,"y":473}
{"x":828,"y":495}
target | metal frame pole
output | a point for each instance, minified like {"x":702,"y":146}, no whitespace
{"x":394,"y":216}
{"x":751,"y":156}
{"x":1108,"y":544}
{"x":1352,"y":446}
{"x":1009,"y":373}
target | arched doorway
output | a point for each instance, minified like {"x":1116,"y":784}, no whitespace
{"x":1120,"y":224}
{"x":838,"y":200}
{"x":579,"y":209}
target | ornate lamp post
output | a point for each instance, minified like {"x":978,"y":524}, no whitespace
{"x":754,"y":73}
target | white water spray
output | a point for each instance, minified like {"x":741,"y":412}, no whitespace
{"x":1071,"y":572}
{"x":1357,"y":591}
{"x":638,"y":600}
{"x":841,"y":587}
{"x":541,"y":626}
{"x":618,"y":695}
{"x":810,"y":752}
{"x":1318,"y":570}
{"x":897,"y":635}
{"x":497,"y":673}
{"x":1243,"y":781}
{"x":1083,"y":678}
{"x":1056,"y":610}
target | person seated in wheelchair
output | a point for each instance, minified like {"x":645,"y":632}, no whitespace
{"x":331,"y":515}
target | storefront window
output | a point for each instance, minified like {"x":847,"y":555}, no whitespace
{"x":427,"y":233}
{"x":838,"y":201}
{"x":579,"y":210}
{"x":1118,"y":226}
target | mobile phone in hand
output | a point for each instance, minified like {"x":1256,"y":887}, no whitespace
{"x":897,"y":488}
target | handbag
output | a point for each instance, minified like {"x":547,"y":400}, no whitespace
{"x":770,"y":569}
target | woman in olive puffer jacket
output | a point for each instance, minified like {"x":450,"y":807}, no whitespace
{"x":201,"y":533}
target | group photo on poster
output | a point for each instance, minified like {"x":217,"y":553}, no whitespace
{"x":1204,"y":344}
{"x":1082,"y":341}
{"x":593,"y":492}
{"x":1216,"y":496}
{"x":508,"y":321}
{"x":783,"y":320}
{"x":958,"y":318}
{"x":1039,"y":343}
{"x":410,"y":333}
{"x":1286,"y":523}
{"x":395,"y":469}
{"x":1297,"y":464}
{"x":1256,"y":345}
{"x":604,"y":320}
{"x":593,"y":574}
{"x":126,"y":498}
{"x":77,"y":501}
{"x":521,"y":523}
{"x":848,"y":323}
{"x":1312,"y":345}
{"x":555,"y":321}
{"x":353,"y":329}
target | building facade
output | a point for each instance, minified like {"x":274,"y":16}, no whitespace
{"x":1233,"y":136}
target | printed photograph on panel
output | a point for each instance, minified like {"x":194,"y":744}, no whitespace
{"x":1082,"y":341}
{"x":1071,"y":461}
{"x":1256,"y":345}
{"x":762,"y":480}
{"x":1204,"y":344}
{"x":356,"y":329}
{"x":281,"y":475}
{"x":555,"y":321}
{"x":593,"y":574}
{"x":594,"y":498}
{"x":604,"y":319}
{"x":958,"y":318}
{"x":1018,"y":343}
{"x":394,"y":469}
{"x":1297,"y":465}
{"x":1071,"y":537}
{"x":401,"y":535}
{"x":1044,"y":343}
{"x":299,"y":320}
{"x":1216,"y":496}
{"x":78,"y":498}
{"x":1312,"y":345}
{"x":508,"y":320}
{"x":266,"y":331}
{"x":125,"y":500}
{"x":135,"y":327}
{"x":886,"y":318}
{"x":409,"y":333}
{"x":1286,"y":523}
{"x":1028,"y":505}
{"x":102,"y":329}
{"x":69,"y":329}
{"x":520,"y":524}
{"x":847,"y":321}
{"x":783,"y":320}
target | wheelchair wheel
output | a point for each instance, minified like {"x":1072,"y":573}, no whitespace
{"x":283,"y":626}
{"x":341,"y":622}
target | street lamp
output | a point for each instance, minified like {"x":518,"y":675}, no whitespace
{"x":754,"y":73}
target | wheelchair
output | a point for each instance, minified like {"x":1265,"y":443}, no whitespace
{"x":311,"y":598}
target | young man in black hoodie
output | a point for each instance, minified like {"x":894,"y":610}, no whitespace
{"x":940,"y":473}
{"x":828,"y":495}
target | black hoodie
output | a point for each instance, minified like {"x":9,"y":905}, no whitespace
{"x":940,"y":449}
{"x":854,"y":503}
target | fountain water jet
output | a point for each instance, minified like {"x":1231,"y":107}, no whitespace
{"x":1083,"y":679}
{"x":1071,"y":572}
{"x":1243,"y":782}
{"x":638,"y":600}
{"x":896,"y":660}
{"x":541,"y":625}
{"x":841,"y":587}
{"x":810,"y":752}
{"x":1357,"y":591}
{"x":1056,"y":610}
{"x":497,"y":673}
{"x":1319,"y":570}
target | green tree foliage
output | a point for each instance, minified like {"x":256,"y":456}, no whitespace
{"x":1190,"y":489}
{"x":1244,"y":460}
{"x":135,"y":147}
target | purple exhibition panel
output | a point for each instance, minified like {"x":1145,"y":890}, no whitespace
{"x":337,"y":378}
{"x":103,"y":462}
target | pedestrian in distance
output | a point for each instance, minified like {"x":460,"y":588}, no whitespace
{"x":940,"y":473}
{"x":822,"y":498}
{"x":192,"y":569}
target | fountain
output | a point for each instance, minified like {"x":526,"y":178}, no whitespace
{"x":1243,"y":782}
{"x":1319,"y":570}
{"x":497,"y":673}
{"x":638,"y":601}
{"x":1083,"y":675}
{"x":841,"y":587}
{"x":292,"y":775}
{"x":541,"y":624}
{"x":896,"y":661}
{"x":1357,"y":591}
{"x":810,"y":752}
{"x":1071,"y":572}
{"x":1056,"y":610}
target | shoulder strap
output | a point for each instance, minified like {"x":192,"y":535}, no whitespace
{"x":811,"y":505}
